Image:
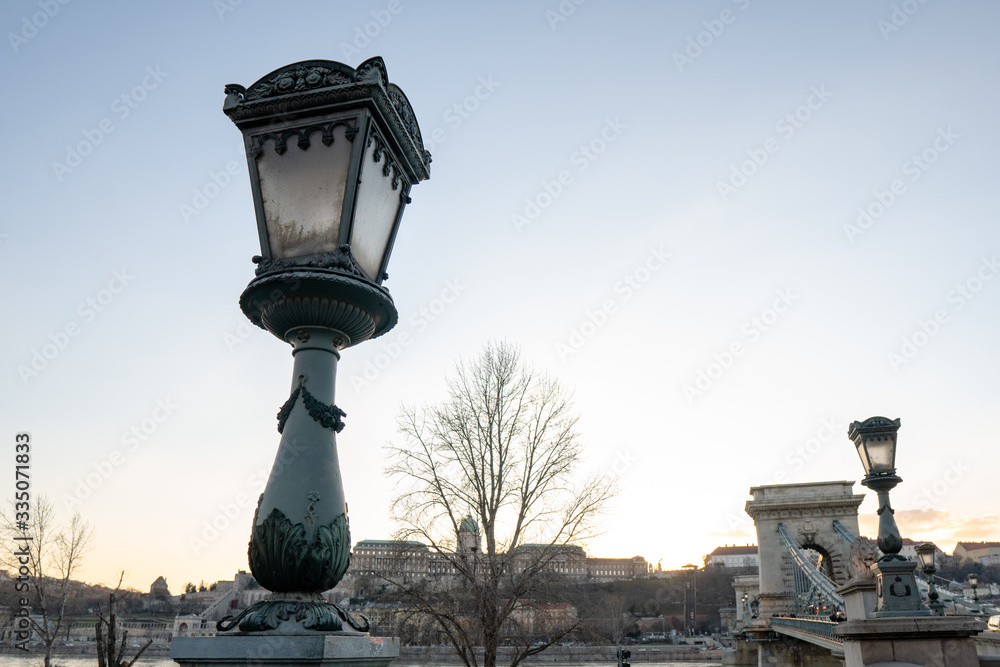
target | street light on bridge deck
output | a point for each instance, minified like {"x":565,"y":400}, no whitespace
{"x":927,"y":555}
{"x":896,"y":586}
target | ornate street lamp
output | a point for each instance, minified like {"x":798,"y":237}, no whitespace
{"x":927,"y":556}
{"x":896,"y":586}
{"x":974,"y":582}
{"x":333,"y":152}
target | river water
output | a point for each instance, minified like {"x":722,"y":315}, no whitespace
{"x":91,"y":661}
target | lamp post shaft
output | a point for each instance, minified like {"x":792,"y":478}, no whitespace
{"x":305,"y":482}
{"x":889,"y":540}
{"x":300,"y":543}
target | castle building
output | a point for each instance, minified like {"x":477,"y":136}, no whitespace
{"x":732,"y":555}
{"x":414,"y":560}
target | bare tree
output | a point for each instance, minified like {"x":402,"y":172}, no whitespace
{"x":502,"y":449}
{"x":45,"y":557}
{"x":111,"y":651}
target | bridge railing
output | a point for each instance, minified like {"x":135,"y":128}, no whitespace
{"x":816,"y":627}
{"x":805,"y":568}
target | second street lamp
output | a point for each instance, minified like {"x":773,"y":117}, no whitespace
{"x":896,"y":586}
{"x":927,"y":555}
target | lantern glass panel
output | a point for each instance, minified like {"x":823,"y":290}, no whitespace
{"x":375,"y":214}
{"x":925,"y":554}
{"x":881,"y":454}
{"x":302,"y":192}
{"x":863,"y":455}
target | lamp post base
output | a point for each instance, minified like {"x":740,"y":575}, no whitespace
{"x":293,"y":614}
{"x":258,"y":649}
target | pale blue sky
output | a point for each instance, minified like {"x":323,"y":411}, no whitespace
{"x":672,"y":133}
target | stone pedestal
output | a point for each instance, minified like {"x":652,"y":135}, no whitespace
{"x":859,"y":598}
{"x":928,"y":641}
{"x":896,"y":589}
{"x":272,"y":649}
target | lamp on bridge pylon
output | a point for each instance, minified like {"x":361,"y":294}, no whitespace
{"x":896,"y":585}
{"x":926,"y":553}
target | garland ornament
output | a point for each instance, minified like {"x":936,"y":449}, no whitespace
{"x":327,"y":416}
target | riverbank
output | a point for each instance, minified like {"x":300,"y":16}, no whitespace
{"x":433,"y":655}
{"x":436,"y":655}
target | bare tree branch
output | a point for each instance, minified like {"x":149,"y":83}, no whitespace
{"x":45,"y":558}
{"x":503,"y":449}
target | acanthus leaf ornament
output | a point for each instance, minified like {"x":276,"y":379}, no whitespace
{"x":317,"y":615}
{"x":284,"y":561}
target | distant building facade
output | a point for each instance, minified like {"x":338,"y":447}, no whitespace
{"x":529,"y":618}
{"x":985,"y":553}
{"x":415,"y":560}
{"x":159,"y":590}
{"x":909,"y":550}
{"x":733,"y":556}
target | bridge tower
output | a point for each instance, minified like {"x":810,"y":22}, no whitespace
{"x":806,"y":515}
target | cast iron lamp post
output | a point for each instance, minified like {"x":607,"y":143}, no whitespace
{"x":926,"y":554}
{"x":896,"y":586}
{"x":974,"y":582}
{"x":332,"y":153}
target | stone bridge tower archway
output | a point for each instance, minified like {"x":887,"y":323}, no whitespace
{"x":807,"y":512}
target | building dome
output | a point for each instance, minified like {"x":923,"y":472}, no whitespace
{"x":468,"y":525}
